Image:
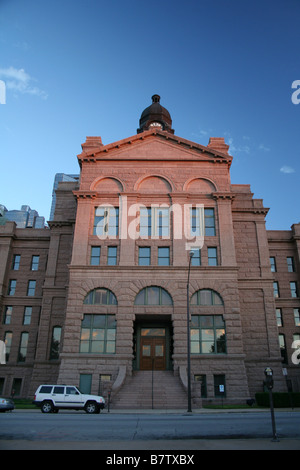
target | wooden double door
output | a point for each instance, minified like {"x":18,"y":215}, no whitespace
{"x":153,"y":353}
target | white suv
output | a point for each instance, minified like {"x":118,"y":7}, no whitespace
{"x":51,"y":398}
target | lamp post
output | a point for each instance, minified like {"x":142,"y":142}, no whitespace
{"x":191,"y":254}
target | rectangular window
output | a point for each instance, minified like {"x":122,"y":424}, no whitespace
{"x":290,"y":263}
{"x":112,"y":252}
{"x":7,"y":315}
{"x":279,"y":317}
{"x":282,"y":345}
{"x":297,"y":316}
{"x":196,"y":221}
{"x":12,"y":287}
{"x":144,"y":256}
{"x":219,"y":385}
{"x":163,"y":256}
{"x":209,"y":222}
{"x":196,"y":259}
{"x":27,"y":315}
{"x":294,"y":289}
{"x":35,"y":263}
{"x":23,"y":347}
{"x":7,"y":340}
{"x":276,"y":289}
{"x":212,"y":256}
{"x":106,"y":221}
{"x":208,"y":334}
{"x":31,"y":288}
{"x":195,"y":216}
{"x":98,"y":334}
{"x":55,"y":343}
{"x":154,"y":222}
{"x":273,"y":264}
{"x":16,"y":262}
{"x":95,"y":255}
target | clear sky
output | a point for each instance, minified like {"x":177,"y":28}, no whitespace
{"x":77,"y":68}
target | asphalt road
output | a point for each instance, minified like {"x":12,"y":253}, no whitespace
{"x":129,"y":431}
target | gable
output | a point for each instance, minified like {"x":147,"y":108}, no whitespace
{"x":155,"y":145}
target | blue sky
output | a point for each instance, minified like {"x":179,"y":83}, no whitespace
{"x":223,"y":68}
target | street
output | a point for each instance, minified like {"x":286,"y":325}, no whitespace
{"x":67,"y":429}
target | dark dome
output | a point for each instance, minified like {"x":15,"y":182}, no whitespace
{"x":155,"y":116}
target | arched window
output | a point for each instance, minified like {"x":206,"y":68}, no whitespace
{"x":206,"y":297}
{"x":100,"y":297}
{"x":153,"y":295}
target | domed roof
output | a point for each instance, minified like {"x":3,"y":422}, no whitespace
{"x":155,"y":116}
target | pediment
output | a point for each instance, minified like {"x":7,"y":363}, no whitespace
{"x":155,"y":145}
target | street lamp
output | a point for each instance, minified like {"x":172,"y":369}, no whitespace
{"x":191,"y":254}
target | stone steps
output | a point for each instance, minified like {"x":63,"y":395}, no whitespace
{"x":138,"y":392}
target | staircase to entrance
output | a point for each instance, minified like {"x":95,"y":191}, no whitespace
{"x":151,"y":390}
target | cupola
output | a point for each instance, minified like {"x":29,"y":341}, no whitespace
{"x":155,"y":117}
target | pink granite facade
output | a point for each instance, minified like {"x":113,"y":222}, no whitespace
{"x":116,"y":278}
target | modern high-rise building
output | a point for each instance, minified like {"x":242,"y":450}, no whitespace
{"x":108,"y":297}
{"x":24,"y":218}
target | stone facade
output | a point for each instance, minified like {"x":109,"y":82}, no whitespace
{"x":119,"y":306}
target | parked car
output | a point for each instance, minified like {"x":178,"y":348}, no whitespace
{"x":51,"y":398}
{"x":6,"y":404}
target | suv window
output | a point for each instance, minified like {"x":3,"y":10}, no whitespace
{"x":59,"y":390}
{"x":72,"y":391}
{"x":45,"y":389}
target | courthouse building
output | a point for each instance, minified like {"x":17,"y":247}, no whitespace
{"x":99,"y":299}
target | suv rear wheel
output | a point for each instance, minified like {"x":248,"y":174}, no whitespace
{"x":47,"y":407}
{"x":91,"y":407}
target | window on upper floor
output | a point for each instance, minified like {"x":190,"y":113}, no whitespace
{"x":12,"y":287}
{"x":27,"y":315}
{"x":279,"y":317}
{"x":100,"y":296}
{"x":212,"y":256}
{"x":144,"y":256}
{"x":206,"y":297}
{"x":273,"y":264}
{"x":154,"y":222}
{"x":8,"y":310}
{"x":31,"y":288}
{"x":35,"y":263}
{"x":276,"y":289}
{"x":294,"y":289}
{"x":16,"y":262}
{"x":196,"y":259}
{"x":153,"y":295}
{"x":95,"y":255}
{"x":106,"y":221}
{"x":297,"y":316}
{"x":112,"y":252}
{"x":163,"y":256}
{"x":290,"y":264}
{"x":196,"y":220}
